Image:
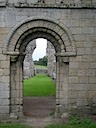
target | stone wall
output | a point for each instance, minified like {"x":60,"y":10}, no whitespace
{"x":29,"y":68}
{"x":73,"y":34}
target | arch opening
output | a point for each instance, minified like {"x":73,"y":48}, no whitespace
{"x":15,"y":47}
{"x":39,"y":90}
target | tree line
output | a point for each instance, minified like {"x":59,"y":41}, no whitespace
{"x":42,"y":61}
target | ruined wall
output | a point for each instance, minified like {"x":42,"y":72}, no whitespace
{"x":50,"y":51}
{"x":29,"y":68}
{"x":79,"y":76}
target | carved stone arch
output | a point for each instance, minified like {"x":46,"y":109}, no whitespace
{"x":15,"y":46}
{"x":48,"y":26}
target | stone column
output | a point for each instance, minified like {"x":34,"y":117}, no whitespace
{"x":62,"y":67}
{"x":16,"y":86}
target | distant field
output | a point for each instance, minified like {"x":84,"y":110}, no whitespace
{"x":39,"y":85}
{"x":41,"y":67}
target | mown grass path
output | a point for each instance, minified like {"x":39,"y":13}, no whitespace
{"x":39,"y":85}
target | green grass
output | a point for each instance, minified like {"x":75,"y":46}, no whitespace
{"x":39,"y":85}
{"x":40,"y":67}
{"x":10,"y":125}
{"x":75,"y":122}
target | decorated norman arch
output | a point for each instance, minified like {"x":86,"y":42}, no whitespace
{"x":70,"y":26}
{"x":15,"y":47}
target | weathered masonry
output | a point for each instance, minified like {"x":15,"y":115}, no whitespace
{"x":70,"y":25}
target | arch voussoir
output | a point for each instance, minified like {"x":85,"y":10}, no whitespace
{"x":57,"y":30}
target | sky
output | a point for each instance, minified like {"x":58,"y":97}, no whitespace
{"x":40,"y":50}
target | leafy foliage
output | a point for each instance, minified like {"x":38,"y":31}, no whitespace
{"x":42,"y":61}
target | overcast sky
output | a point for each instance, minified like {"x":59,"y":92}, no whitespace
{"x":40,"y":50}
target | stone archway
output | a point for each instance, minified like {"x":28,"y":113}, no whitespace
{"x":15,"y":46}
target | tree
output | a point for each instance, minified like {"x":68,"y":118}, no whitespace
{"x":42,"y":61}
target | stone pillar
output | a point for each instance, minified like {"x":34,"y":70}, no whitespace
{"x":16,"y":94}
{"x":29,"y":68}
{"x":62,"y":66}
{"x":4,"y":86}
{"x":51,"y":60}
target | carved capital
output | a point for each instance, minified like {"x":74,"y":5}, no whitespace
{"x":13,"y":58}
{"x":63,"y":59}
{"x":3,"y":3}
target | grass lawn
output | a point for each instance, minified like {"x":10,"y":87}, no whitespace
{"x":9,"y":125}
{"x":39,"y":85}
{"x":75,"y":123}
{"x":40,"y":67}
{"x":72,"y":126}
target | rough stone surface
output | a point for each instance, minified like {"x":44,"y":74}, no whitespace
{"x":29,"y":68}
{"x":72,"y":32}
{"x":51,"y":60}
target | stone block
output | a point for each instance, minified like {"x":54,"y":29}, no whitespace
{"x":2,"y":57}
{"x":82,"y":72}
{"x":92,"y":94}
{"x":82,"y":102}
{"x":6,"y":72}
{"x":1,"y":72}
{"x":14,"y":93}
{"x":88,"y":51}
{"x":92,"y":80}
{"x":89,"y":30}
{"x":6,"y":79}
{"x":82,"y":94}
{"x":4,"y":116}
{"x":73,"y":94}
{"x":72,"y":87}
{"x":76,"y":59}
{"x":73,"y":80}
{"x":4,"y":109}
{"x":94,"y":110}
{"x":93,"y":65}
{"x":4,"y":102}
{"x":4,"y":86}
{"x":88,"y":58}
{"x":80,"y":51}
{"x":84,"y":65}
{"x":74,"y":65}
{"x":83,"y":79}
{"x":80,"y":38}
{"x":94,"y":50}
{"x":4,"y":30}
{"x":4,"y":94}
{"x":76,"y":30}
{"x":80,"y":44}
{"x":5,"y":64}
{"x":50,"y":2}
{"x":73,"y":72}
{"x":74,"y":23}
{"x":82,"y":87}
{"x":93,"y":87}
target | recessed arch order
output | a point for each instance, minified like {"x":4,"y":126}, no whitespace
{"x":33,"y":28}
